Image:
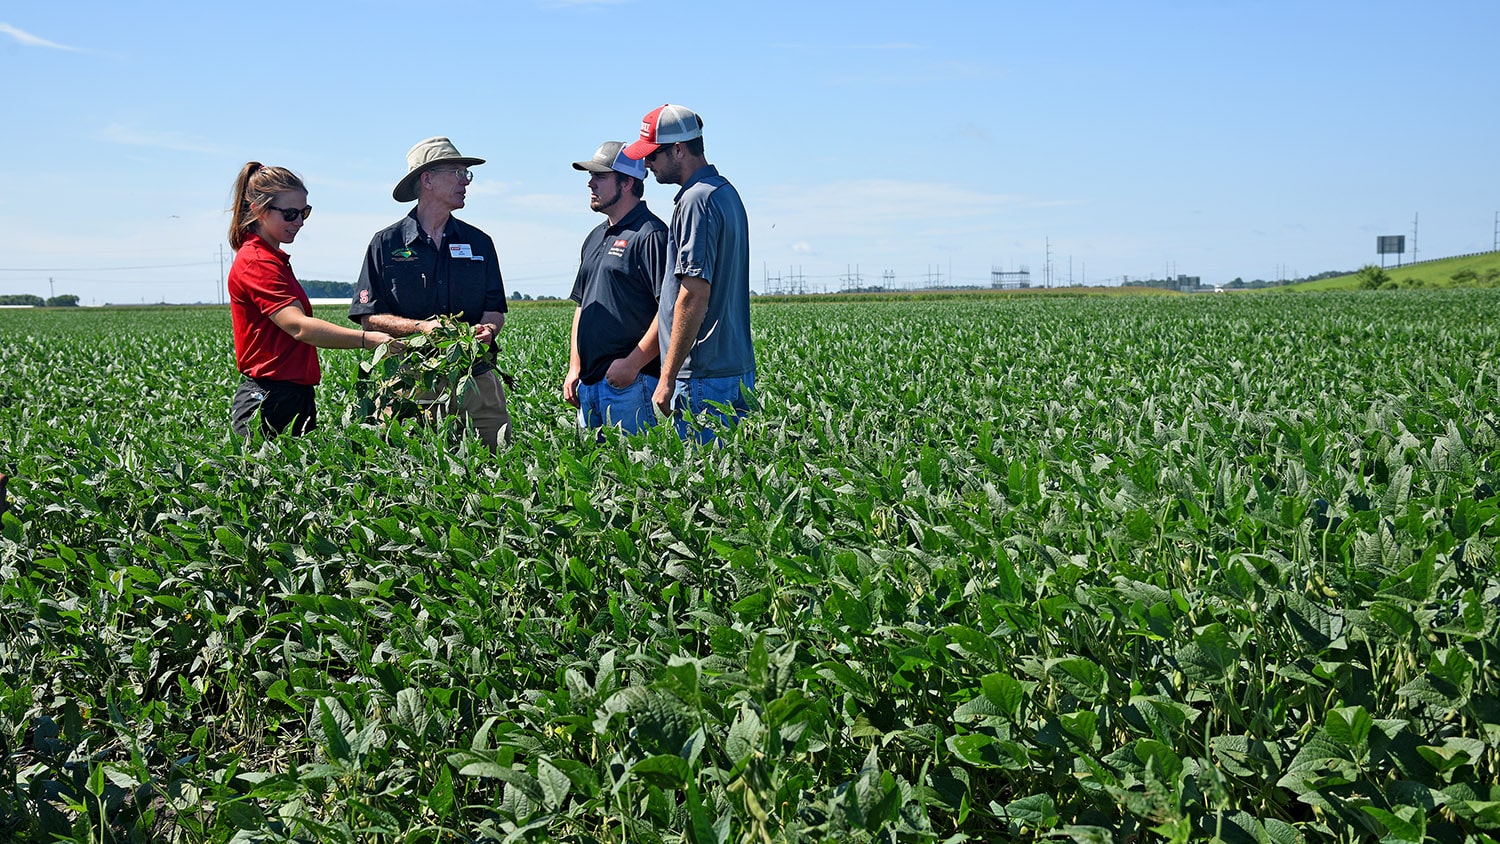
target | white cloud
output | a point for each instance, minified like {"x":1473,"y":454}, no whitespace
{"x":859,"y":205}
{"x":889,"y":224}
{"x":974,"y":132}
{"x":26,"y":39}
{"x":116,"y":133}
{"x":503,"y":195}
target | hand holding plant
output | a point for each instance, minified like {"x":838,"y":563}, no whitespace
{"x":424,"y":372}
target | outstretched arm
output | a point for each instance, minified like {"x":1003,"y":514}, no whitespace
{"x":325,"y":335}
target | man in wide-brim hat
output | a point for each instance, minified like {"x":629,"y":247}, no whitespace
{"x":426,"y":155}
{"x":430,"y":264}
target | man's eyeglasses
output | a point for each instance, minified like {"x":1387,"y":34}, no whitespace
{"x":292,"y":214}
{"x":661,"y":150}
{"x":464,"y":175}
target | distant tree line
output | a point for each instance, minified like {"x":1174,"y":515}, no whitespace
{"x":319,"y":289}
{"x":1256,"y":284}
{"x":64,"y":301}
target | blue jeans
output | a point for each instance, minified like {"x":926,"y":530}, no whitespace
{"x":630,"y":408}
{"x":694,"y":395}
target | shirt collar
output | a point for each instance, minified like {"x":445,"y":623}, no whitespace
{"x":411,"y":230}
{"x":707,"y":171}
{"x":639,"y":211}
{"x":260,"y":243}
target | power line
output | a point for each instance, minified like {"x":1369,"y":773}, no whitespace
{"x":100,"y":269}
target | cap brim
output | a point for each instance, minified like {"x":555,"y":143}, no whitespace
{"x":639,"y":150}
{"x":406,"y":189}
{"x":592,"y":167}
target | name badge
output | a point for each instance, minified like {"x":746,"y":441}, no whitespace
{"x":460,"y":250}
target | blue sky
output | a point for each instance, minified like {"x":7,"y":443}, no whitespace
{"x":1218,"y":139}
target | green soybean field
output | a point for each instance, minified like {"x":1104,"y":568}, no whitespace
{"x":985,"y":568}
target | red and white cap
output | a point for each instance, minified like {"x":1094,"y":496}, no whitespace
{"x":666,"y":125}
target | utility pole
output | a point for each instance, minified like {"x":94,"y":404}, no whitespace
{"x":1414,"y":237}
{"x":1495,"y":244}
{"x":1047,"y":267}
{"x":221,"y":273}
{"x":52,"y":291}
{"x":851,"y":280}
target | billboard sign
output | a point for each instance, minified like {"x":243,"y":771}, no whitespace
{"x":1390,"y":244}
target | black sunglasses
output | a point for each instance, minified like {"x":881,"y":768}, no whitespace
{"x":291,"y":214}
{"x":661,"y":150}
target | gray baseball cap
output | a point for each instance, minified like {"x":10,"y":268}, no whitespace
{"x":609,"y":158}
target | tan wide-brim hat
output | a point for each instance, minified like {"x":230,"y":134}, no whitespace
{"x":423,"y":157}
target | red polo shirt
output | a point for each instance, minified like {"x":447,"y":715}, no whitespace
{"x":260,"y":284}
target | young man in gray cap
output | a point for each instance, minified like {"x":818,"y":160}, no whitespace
{"x":430,"y":264}
{"x":704,"y":316}
{"x":614,"y":358}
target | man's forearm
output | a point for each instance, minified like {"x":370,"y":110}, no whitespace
{"x":575,"y":361}
{"x":393,"y":325}
{"x":692,"y":304}
{"x":648,"y":349}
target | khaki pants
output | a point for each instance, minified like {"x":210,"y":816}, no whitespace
{"x":482,"y":407}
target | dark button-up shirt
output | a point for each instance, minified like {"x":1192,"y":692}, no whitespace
{"x":408,"y":275}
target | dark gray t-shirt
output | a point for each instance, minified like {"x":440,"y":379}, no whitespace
{"x":710,"y":238}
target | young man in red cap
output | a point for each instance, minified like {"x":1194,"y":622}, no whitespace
{"x":704,"y":315}
{"x":614,"y":359}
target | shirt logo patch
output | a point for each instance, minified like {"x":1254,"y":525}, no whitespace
{"x":364,"y":297}
{"x":404,"y":254}
{"x":621,"y":243}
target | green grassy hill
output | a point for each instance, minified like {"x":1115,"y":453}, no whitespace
{"x":1438,"y":273}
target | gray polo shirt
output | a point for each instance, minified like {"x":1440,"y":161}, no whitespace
{"x":710,"y":238}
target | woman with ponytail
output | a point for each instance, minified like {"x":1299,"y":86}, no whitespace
{"x":275,"y":335}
